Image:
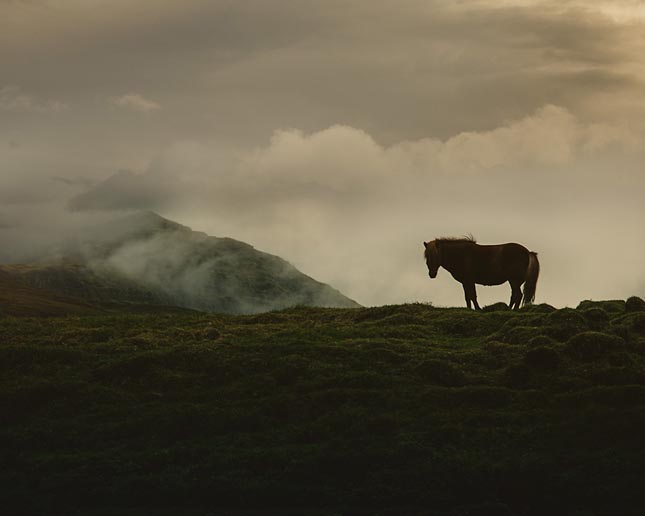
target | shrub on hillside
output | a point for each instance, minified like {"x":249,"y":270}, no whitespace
{"x":618,"y":375}
{"x":542,"y":358}
{"x":290,"y":369}
{"x":627,"y":325}
{"x":485,"y":509}
{"x":621,"y":359}
{"x":639,"y":344}
{"x":403,"y":319}
{"x":592,"y":345}
{"x":499,"y":354}
{"x":612,"y":306}
{"x":518,"y":376}
{"x":440,"y":372}
{"x":542,"y":308}
{"x":377,"y":313}
{"x":211,"y":333}
{"x":541,"y":340}
{"x":517,"y":334}
{"x":464,"y":324}
{"x":482,"y":396}
{"x":613,"y":396}
{"x":620,"y":330}
{"x":564,"y":324}
{"x":386,"y":355}
{"x":635,"y":304}
{"x":636,"y":323}
{"x":596,"y":317}
{"x":504,"y":330}
{"x":495,"y":347}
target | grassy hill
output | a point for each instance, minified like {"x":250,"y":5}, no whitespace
{"x":391,"y":410}
{"x":19,"y":299}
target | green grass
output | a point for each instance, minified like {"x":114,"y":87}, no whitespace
{"x":390,"y":410}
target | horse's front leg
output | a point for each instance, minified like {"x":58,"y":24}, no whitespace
{"x":473,"y":296}
{"x":467,"y":295}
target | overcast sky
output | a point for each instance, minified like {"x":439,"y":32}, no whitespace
{"x":338,"y":134}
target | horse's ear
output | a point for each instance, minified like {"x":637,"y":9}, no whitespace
{"x":425,"y":244}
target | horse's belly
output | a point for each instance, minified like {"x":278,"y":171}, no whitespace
{"x":491,"y":280}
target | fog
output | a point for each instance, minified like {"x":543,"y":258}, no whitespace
{"x":341,"y":140}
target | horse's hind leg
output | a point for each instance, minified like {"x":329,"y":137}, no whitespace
{"x":516,"y":296}
{"x":471,"y":295}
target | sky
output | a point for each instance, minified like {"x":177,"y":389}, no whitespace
{"x":339,"y":135}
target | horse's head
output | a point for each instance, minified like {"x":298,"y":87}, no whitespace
{"x":433,"y":257}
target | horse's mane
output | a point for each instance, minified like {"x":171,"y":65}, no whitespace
{"x":467,"y":239}
{"x":457,"y":240}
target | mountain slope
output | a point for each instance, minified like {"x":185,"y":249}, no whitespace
{"x":19,"y":299}
{"x":144,"y":258}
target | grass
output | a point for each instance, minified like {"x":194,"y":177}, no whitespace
{"x":391,"y":410}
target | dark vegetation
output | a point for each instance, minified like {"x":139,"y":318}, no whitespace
{"x":391,"y":410}
{"x":19,"y":299}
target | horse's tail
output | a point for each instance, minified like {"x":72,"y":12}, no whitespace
{"x":532,"y":273}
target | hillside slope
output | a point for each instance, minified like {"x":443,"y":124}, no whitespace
{"x":19,"y":299}
{"x":146,"y":259}
{"x":387,"y":411}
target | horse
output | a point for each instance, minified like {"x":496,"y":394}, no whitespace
{"x":471,"y":263}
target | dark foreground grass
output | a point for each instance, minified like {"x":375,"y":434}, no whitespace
{"x":392,"y":410}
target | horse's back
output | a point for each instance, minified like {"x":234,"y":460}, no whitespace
{"x":509,"y":252}
{"x":501,"y":262}
{"x":511,"y":247}
{"x":515,"y":250}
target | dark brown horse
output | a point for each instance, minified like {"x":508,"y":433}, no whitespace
{"x":471,"y":263}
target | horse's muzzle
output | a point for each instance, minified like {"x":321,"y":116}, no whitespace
{"x":432,"y":276}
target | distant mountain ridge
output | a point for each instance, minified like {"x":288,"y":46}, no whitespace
{"x":146,"y":259}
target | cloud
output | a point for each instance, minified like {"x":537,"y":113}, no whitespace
{"x":79,"y":182}
{"x":135,"y":101}
{"x":4,"y":225}
{"x":347,"y":160}
{"x":437,"y":68}
{"x":123,"y":190}
{"x":552,"y":135}
{"x":12,"y":98}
